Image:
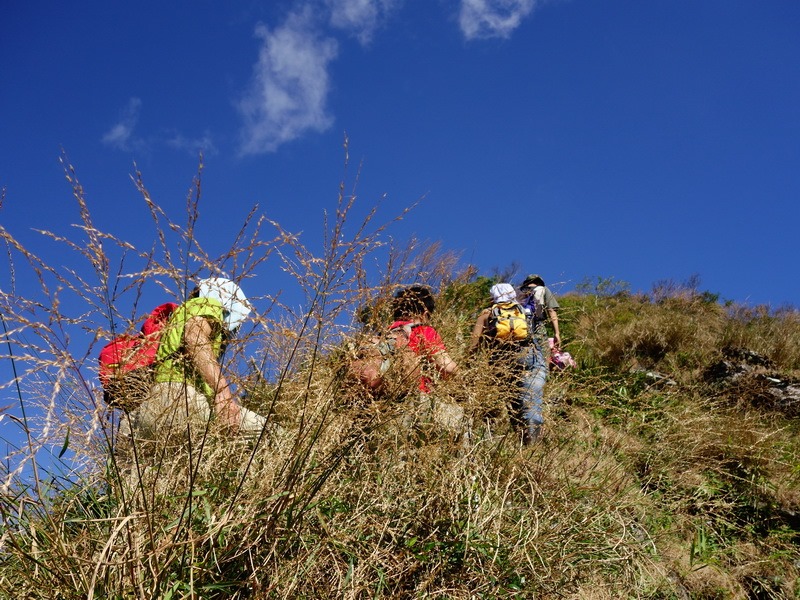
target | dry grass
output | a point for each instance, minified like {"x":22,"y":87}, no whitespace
{"x":638,"y":490}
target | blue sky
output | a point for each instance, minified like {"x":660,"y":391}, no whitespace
{"x":642,"y":140}
{"x":579,"y":138}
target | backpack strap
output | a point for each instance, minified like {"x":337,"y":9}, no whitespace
{"x":406,"y":328}
{"x":497,"y":307}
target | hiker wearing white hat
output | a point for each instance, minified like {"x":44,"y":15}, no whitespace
{"x":190,"y":386}
{"x":514,"y":333}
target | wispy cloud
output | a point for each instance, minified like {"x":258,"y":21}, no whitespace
{"x":289,"y":88}
{"x":288,"y":92}
{"x":120,"y":136}
{"x":361,"y":18}
{"x":193,"y":145}
{"x":480,"y":19}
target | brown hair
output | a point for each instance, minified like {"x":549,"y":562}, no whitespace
{"x":412,"y":301}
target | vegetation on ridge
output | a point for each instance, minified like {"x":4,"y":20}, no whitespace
{"x":659,"y":476}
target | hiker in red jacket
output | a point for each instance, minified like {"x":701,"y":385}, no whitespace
{"x":413,"y":307}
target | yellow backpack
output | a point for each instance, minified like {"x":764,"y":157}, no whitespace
{"x":508,"y":322}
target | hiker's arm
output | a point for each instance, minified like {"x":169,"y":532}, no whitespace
{"x":477,"y":331}
{"x":444,"y":364}
{"x":553,"y":313}
{"x":368,"y":371}
{"x":197,"y":339}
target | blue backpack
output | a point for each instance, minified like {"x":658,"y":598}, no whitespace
{"x":534,"y":306}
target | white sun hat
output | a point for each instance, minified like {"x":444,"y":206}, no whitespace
{"x":234,"y":303}
{"x":503,"y":292}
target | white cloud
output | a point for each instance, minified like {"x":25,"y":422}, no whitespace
{"x":288,"y":92}
{"x":194,"y":146}
{"x":492,"y":18}
{"x":119,"y":136}
{"x":361,"y":17}
{"x":290,"y":85}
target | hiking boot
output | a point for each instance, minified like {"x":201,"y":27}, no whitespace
{"x":531,"y":435}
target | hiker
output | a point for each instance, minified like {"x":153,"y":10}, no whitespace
{"x":543,"y":306}
{"x":520,"y":349}
{"x":189,"y":385}
{"x":411,"y":309}
{"x":418,"y":356}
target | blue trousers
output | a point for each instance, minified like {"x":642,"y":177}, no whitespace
{"x":533,"y":376}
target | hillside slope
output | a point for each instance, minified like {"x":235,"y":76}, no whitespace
{"x":669,"y":468}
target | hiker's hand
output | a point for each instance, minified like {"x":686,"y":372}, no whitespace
{"x":228,"y":411}
{"x":557,"y":342}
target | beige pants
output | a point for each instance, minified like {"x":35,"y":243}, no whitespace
{"x":161,"y":428}
{"x":174,"y":410}
{"x":424,"y":408}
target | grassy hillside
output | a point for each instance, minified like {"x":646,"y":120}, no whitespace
{"x":669,"y":468}
{"x":651,"y":482}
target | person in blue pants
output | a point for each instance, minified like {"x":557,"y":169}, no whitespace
{"x":526,"y":357}
{"x":541,"y":305}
